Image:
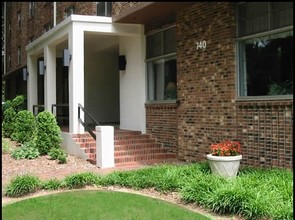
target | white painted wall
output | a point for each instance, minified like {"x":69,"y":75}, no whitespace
{"x":132,"y":84}
{"x":102,"y":85}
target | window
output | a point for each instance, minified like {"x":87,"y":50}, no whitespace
{"x":104,"y":9}
{"x":19,"y":55}
{"x":161,"y":65}
{"x":31,"y":9}
{"x":19,"y":19}
{"x":69,"y":11}
{"x":265,"y":43}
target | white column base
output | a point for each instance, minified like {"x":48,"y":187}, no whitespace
{"x":105,"y":157}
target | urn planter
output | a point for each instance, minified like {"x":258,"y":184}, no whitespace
{"x":226,"y":166}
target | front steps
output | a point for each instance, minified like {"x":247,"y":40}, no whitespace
{"x":131,"y":149}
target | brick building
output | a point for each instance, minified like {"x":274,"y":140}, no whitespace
{"x":196,"y":73}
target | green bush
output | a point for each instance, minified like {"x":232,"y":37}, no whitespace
{"x":8,"y":122}
{"x":9,"y":110}
{"x":52,"y":184}
{"x":26,"y":151}
{"x":23,"y":185}
{"x":24,"y":128}
{"x":6,"y":105}
{"x":80,"y":180}
{"x":48,"y":132}
{"x":18,"y":103}
{"x":58,"y":154}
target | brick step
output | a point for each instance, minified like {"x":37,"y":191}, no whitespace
{"x":84,"y":135}
{"x":89,"y":150}
{"x":137,"y":146}
{"x":134,"y":141}
{"x":132,"y":148}
{"x":130,"y":137}
{"x":121,"y":163}
{"x":88,"y":145}
{"x":118,"y":132}
{"x":85,"y":139}
{"x":138,"y":152}
{"x":142,"y":157}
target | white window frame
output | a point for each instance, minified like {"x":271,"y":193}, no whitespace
{"x":169,"y":56}
{"x":242,"y":72}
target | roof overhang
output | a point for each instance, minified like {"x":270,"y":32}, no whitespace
{"x":147,"y":12}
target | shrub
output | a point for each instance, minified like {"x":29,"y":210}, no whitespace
{"x":58,"y":154}
{"x":8,"y":122}
{"x":26,"y":151}
{"x":80,"y":180}
{"x":48,"y":132}
{"x":52,"y":184}
{"x":24,"y":128}
{"x":22,"y":185}
{"x":6,"y":105}
{"x":18,"y":103}
{"x":9,"y":109}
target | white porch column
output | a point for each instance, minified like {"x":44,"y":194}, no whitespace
{"x":105,"y":151}
{"x":76,"y":77}
{"x":32,"y":91}
{"x":49,"y":78}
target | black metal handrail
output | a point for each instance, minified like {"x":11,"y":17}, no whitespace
{"x":80,"y":107}
{"x":57,"y":106}
{"x":61,"y":112}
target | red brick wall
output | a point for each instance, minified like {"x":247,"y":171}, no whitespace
{"x":161,"y":122}
{"x":206,"y":78}
{"x":209,"y":111}
{"x":120,"y":7}
{"x":265,"y":129}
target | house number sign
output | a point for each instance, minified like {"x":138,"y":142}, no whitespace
{"x":201,"y":44}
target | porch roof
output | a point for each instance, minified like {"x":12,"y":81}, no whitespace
{"x":150,"y":11}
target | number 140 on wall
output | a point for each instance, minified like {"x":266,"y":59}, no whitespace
{"x":201,"y":44}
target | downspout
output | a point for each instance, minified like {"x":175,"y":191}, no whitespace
{"x":4,"y":43}
{"x":54,"y":14}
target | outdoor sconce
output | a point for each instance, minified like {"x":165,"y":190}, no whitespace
{"x":122,"y":62}
{"x":25,"y":74}
{"x":66,"y":57}
{"x":42,"y":67}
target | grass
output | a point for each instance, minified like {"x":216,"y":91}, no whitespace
{"x":96,"y":205}
{"x":256,"y":193}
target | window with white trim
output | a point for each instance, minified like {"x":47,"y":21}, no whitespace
{"x":69,"y":11}
{"x":31,"y":9}
{"x":161,"y":65}
{"x":265,"y":46}
{"x":19,"y":55}
{"x":104,"y":9}
{"x":19,"y":19}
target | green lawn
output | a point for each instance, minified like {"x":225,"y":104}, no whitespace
{"x":96,"y":205}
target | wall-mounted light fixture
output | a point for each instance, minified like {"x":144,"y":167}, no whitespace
{"x":122,"y":62}
{"x":66,"y":57}
{"x":42,"y":67}
{"x":25,"y":74}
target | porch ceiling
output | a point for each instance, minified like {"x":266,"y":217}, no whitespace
{"x":150,"y":11}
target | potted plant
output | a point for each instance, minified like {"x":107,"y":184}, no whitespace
{"x":224,"y":158}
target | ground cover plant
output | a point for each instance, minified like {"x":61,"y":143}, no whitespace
{"x":97,"y":205}
{"x":255,"y":193}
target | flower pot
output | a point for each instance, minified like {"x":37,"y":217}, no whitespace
{"x":226,"y":166}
